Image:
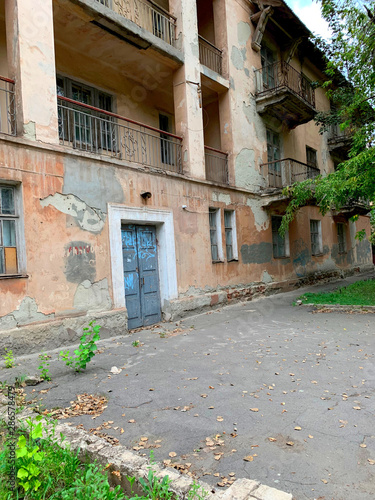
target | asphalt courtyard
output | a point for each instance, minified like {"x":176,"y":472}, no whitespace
{"x":262,"y":390}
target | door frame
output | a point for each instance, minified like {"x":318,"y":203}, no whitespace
{"x":118,"y":215}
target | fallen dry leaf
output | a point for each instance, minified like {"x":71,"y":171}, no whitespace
{"x":311,"y":437}
{"x":254,"y":409}
{"x":324,"y":481}
{"x":298,"y":428}
{"x":363,"y":445}
{"x":172,"y":454}
{"x":132,"y":421}
{"x":356,"y":407}
{"x":144,"y":439}
{"x":219,"y":419}
{"x":371,"y":461}
{"x":203,"y":395}
{"x":272,"y":439}
{"x":290,"y":443}
{"x":249,"y":458}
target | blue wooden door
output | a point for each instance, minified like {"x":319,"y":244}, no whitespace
{"x":141,"y":277}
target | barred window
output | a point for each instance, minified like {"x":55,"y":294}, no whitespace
{"x":316,"y":237}
{"x":230,"y":235}
{"x":8,"y":239}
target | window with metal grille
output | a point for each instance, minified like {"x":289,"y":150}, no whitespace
{"x":215,"y":235}
{"x":83,"y":127}
{"x":8,"y":238}
{"x":316,"y":237}
{"x":311,"y":158}
{"x":230,"y":235}
{"x":341,"y":236}
{"x":280,"y":243}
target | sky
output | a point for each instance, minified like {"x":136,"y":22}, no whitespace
{"x":309,"y":13}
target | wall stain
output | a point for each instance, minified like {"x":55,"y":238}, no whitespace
{"x":80,"y":262}
{"x":258,"y":253}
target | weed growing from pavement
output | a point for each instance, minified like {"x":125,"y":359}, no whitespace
{"x":8,"y":358}
{"x":136,"y":343}
{"x":44,"y":366}
{"x":86,"y":349}
{"x":361,"y":293}
{"x":39,"y":458}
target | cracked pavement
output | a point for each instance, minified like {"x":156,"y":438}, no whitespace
{"x":243,"y":374}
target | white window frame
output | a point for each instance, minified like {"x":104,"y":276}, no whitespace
{"x":19,"y":227}
{"x":234,"y":235}
{"x":219,"y":240}
{"x":320,"y":239}
{"x":286,"y":241}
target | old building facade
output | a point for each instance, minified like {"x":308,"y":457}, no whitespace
{"x":143,"y":150}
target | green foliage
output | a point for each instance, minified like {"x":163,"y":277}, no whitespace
{"x":8,"y":358}
{"x":28,"y":456}
{"x":136,"y":343}
{"x":197,"y":492}
{"x":360,"y":293}
{"x":86,"y":349}
{"x":44,"y":366}
{"x":156,"y":489}
{"x":92,"y":485}
{"x":350,"y":85}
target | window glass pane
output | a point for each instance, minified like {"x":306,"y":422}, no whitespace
{"x":229,"y":253}
{"x":9,"y":233}
{"x":60,"y":87}
{"x":7,"y":201}
{"x":2,"y":269}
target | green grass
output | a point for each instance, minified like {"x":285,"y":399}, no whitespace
{"x":361,"y":293}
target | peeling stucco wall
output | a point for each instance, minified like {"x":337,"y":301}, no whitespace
{"x":27,"y":312}
{"x":87,"y":218}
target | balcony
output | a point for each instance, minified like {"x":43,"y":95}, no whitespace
{"x":285,"y":94}
{"x":339,"y":141}
{"x":210,"y":56}
{"x":216,"y":165}
{"x":7,"y":107}
{"x":97,"y":131}
{"x":283,"y":173}
{"x":147,"y":15}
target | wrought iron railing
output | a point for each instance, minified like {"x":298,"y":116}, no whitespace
{"x":210,"y":56}
{"x":338,"y":136}
{"x":282,"y":173}
{"x":7,"y":107}
{"x":216,"y":162}
{"x":281,"y":75}
{"x":148,"y":15}
{"x":94,"y":130}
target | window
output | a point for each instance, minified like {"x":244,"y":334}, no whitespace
{"x":311,"y":159}
{"x":268,"y":67}
{"x":316,"y":237}
{"x":8,"y":239}
{"x":215,"y":235}
{"x":273,"y":154}
{"x":341,"y":236}
{"x":166,"y":145}
{"x":280,"y":243}
{"x":85,"y":128}
{"x":230,"y":235}
{"x":307,"y":90}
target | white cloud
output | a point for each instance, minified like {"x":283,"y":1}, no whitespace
{"x":310,"y":15}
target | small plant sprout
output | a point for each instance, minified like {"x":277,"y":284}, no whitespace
{"x":44,"y":366}
{"x":86,"y":349}
{"x":136,"y":343}
{"x":9,"y":358}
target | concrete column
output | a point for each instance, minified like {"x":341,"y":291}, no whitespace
{"x":31,"y":59}
{"x":221,"y":37}
{"x":187,"y":89}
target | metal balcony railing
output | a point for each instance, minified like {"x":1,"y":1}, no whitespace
{"x":216,"y":165}
{"x":7,"y":107}
{"x":94,"y":130}
{"x":148,"y":15}
{"x":280,"y":75}
{"x":283,"y":173}
{"x":210,"y":56}
{"x":337,"y":135}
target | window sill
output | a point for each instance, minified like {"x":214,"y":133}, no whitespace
{"x":232,"y":260}
{"x":317,"y":254}
{"x":12,"y":276}
{"x":281,"y":258}
{"x":217,"y":262}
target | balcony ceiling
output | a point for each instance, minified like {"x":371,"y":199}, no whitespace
{"x":287,"y":107}
{"x":81,"y":44}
